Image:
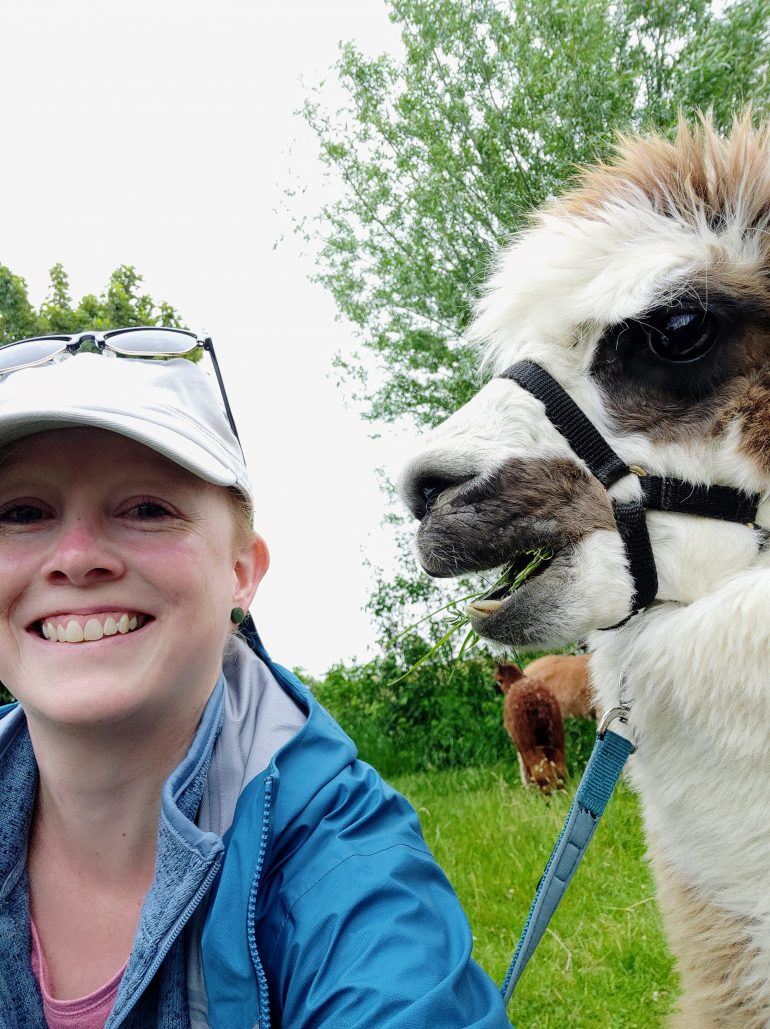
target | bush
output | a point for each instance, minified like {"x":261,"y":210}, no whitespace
{"x":443,"y":714}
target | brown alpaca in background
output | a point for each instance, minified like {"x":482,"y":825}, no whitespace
{"x":566,"y":676}
{"x":537,"y":701}
{"x":533,"y":720}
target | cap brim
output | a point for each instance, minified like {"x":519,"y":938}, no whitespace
{"x":177,"y":448}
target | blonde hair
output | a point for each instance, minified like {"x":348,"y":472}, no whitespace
{"x":243,"y":515}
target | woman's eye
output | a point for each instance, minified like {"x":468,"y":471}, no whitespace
{"x":149,"y":510}
{"x":679,"y":337}
{"x":22,"y":514}
{"x":27,"y":514}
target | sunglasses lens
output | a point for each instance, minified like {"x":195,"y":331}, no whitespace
{"x":152,"y":341}
{"x":29,"y":352}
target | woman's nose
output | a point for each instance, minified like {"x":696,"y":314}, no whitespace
{"x":82,"y":556}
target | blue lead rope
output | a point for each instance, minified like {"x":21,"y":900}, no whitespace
{"x":602,"y":772}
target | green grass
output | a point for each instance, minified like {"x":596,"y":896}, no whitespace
{"x":603,"y":961}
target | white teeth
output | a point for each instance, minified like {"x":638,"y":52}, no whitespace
{"x":93,"y":630}
{"x":74,"y":633}
{"x":484,"y":607}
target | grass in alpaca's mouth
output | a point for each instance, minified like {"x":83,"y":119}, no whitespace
{"x":524,"y":566}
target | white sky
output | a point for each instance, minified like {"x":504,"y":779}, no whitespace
{"x":161,"y":134}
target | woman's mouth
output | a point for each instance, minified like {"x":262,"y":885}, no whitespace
{"x":89,"y":628}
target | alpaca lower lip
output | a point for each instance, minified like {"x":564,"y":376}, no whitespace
{"x":499,"y":597}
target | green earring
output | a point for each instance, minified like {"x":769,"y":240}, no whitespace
{"x":237,"y":615}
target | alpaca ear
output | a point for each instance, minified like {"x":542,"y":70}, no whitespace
{"x":506,"y":675}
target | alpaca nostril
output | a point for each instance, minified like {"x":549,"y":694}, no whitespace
{"x":428,"y":491}
{"x":423,"y":482}
{"x":431,"y":492}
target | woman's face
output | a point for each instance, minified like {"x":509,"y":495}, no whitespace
{"x":93,"y":527}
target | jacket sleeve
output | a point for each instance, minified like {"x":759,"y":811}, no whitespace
{"x":380,"y":940}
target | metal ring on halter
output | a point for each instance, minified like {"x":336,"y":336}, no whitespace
{"x":619,"y":714}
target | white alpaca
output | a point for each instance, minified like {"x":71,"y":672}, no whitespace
{"x":645,"y":292}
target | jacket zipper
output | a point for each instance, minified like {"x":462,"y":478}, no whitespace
{"x":264,"y":998}
{"x":181,"y":922}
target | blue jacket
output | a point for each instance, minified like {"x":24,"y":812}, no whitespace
{"x":319,"y":905}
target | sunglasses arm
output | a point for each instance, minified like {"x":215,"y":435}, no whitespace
{"x":208,"y":345}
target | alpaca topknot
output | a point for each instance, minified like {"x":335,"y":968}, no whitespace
{"x":660,"y":220}
{"x":698,"y":173}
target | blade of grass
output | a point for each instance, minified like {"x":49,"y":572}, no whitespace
{"x":537,"y":558}
{"x":432,"y":614}
{"x":473,"y":636}
{"x":429,"y":654}
{"x":467,"y":644}
{"x":452,"y":603}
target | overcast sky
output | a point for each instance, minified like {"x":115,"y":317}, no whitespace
{"x":162,"y":134}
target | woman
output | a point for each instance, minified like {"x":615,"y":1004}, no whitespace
{"x":188,"y":838}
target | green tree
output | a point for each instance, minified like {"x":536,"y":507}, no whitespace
{"x":441,"y":154}
{"x":121,"y":304}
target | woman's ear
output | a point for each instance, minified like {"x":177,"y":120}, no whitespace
{"x":251,"y":562}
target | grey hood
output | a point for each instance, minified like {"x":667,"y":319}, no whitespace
{"x":258,"y":718}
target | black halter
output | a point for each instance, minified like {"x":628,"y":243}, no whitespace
{"x":659,"y":493}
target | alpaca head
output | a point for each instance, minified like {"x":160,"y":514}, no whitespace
{"x":645,"y":292}
{"x":506,"y":675}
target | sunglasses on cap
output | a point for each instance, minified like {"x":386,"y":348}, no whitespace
{"x":142,"y":341}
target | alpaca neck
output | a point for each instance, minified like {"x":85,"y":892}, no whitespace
{"x":693,"y":556}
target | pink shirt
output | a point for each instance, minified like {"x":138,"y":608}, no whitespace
{"x":90,"y":1012}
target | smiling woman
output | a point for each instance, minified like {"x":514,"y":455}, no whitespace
{"x":106,"y":544}
{"x":188,"y":837}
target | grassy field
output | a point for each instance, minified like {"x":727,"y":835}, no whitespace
{"x":603,"y":961}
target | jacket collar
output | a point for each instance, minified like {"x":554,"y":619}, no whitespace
{"x":186,"y":864}
{"x":260,"y":716}
{"x":257,"y":713}
{"x":180,"y":798}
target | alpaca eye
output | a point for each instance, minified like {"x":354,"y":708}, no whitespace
{"x":681,"y":336}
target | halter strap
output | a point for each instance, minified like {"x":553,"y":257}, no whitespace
{"x":659,"y":493}
{"x":564,"y":414}
{"x":731,"y":505}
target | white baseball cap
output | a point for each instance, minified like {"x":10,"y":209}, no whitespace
{"x":171,"y":406}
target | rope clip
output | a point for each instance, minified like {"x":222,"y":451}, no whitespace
{"x":619,"y":714}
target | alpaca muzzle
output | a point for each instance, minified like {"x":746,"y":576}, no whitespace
{"x":658,"y":493}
